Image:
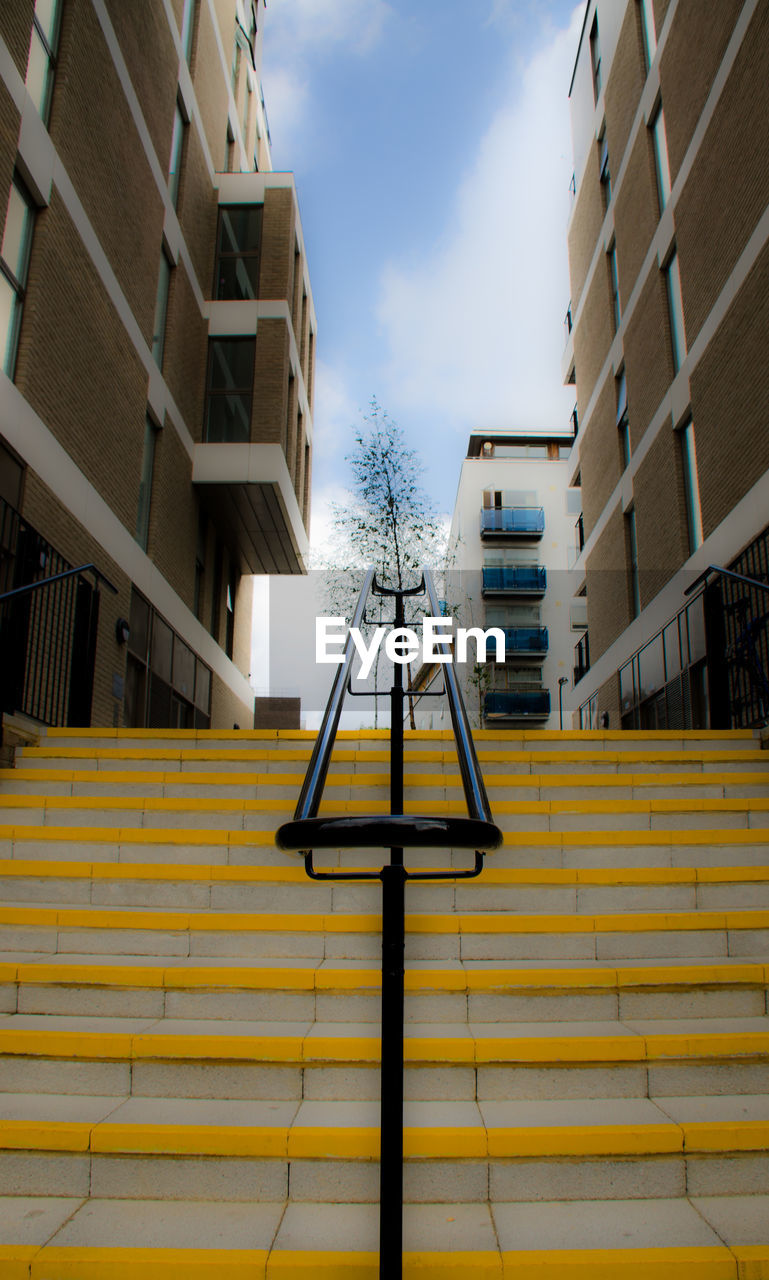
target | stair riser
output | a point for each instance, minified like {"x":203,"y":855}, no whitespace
{"x":281,"y":1006}
{"x":211,"y":1178}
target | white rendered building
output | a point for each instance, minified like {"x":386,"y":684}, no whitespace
{"x":514,"y":537}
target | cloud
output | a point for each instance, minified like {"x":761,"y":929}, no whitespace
{"x":473,"y":327}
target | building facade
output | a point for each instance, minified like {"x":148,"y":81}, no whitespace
{"x":157,"y":337}
{"x":669,"y":261}
{"x":511,"y":545}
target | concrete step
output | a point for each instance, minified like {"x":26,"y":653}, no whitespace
{"x":432,"y":935}
{"x":95,"y":986}
{"x":702,"y":1236}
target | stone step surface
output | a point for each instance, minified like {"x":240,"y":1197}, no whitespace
{"x":189,"y":1028}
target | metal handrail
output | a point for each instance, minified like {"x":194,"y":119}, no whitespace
{"x":394,"y":832}
{"x":725,"y":573}
{"x":57,"y":577}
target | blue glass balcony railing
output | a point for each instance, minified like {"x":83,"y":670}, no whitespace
{"x":529,"y":521}
{"x":525,"y":639}
{"x":530,"y":579}
{"x":534,"y":703}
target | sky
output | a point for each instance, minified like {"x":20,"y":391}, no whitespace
{"x":432,"y":153}
{"x":431,"y":147}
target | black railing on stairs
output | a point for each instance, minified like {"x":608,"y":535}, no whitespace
{"x":394,"y":831}
{"x":49,"y":612}
{"x":737,"y":646}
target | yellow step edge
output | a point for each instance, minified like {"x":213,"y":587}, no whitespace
{"x":443,"y":1050}
{"x":412,"y":755}
{"x":361,"y":1142}
{"x":553,"y":981}
{"x":432,"y":923}
{"x":717,"y":1262}
{"x":292,"y":874}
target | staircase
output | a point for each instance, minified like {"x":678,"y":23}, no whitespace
{"x":188,"y":1035}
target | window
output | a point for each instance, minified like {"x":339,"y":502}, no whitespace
{"x":691,"y":485}
{"x":177,"y":148}
{"x":676,"y":311}
{"x":161,"y":310}
{"x":614,"y":285}
{"x":42,"y":55}
{"x":14,"y":263}
{"x":188,"y":28}
{"x":595,"y":58}
{"x":604,"y":171}
{"x":623,"y":424}
{"x":238,"y":240}
{"x":632,"y":543}
{"x":230,"y":389}
{"x":661,"y":162}
{"x":649,"y":31}
{"x":145,"y":483}
{"x":166,"y":683}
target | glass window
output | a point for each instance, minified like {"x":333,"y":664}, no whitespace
{"x":175,"y":164}
{"x":676,"y":311}
{"x":670,"y":640}
{"x":661,"y":161}
{"x":652,"y":667}
{"x":188,"y":28}
{"x":614,"y":285}
{"x":605,"y":172}
{"x":691,"y":485}
{"x":595,"y":58}
{"x":145,"y":484}
{"x":139,"y":625}
{"x":635,"y":587}
{"x":649,"y":31}
{"x":42,"y":55}
{"x":162,"y":648}
{"x":14,"y":263}
{"x":623,"y":422}
{"x":230,"y":389}
{"x":183,"y":677}
{"x":238,"y":241}
{"x":202,"y":686}
{"x":161,"y":310}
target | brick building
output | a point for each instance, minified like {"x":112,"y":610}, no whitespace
{"x":669,"y":259}
{"x":157,"y":337}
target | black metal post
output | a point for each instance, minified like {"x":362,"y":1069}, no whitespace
{"x":393,"y":946}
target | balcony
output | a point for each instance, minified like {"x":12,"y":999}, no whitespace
{"x":248,"y":491}
{"x":498,"y":523}
{"x":519,"y":579}
{"x":526,"y":640}
{"x":517,"y":704}
{"x":581,"y":658}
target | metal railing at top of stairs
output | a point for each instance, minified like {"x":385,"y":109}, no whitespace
{"x":395,"y":831}
{"x":737,"y":646}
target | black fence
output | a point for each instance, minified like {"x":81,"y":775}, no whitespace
{"x":47,"y":635}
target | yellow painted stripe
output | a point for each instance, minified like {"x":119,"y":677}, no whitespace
{"x":675,"y":1263}
{"x":77,"y":1262}
{"x":432,"y":923}
{"x":552,"y":981}
{"x":111,"y":1046}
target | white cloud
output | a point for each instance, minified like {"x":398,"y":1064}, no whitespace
{"x":474,"y":328}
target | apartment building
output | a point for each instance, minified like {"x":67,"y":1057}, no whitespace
{"x":157,"y":338}
{"x":669,"y":260}
{"x":511,"y":544}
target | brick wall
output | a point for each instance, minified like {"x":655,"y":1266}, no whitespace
{"x":75,"y":366}
{"x":127,"y":215}
{"x":270,"y":382}
{"x":685,"y":78}
{"x":648,"y":355}
{"x":9,"y":136}
{"x":608,"y":602}
{"x":15,"y":29}
{"x":636,"y":211}
{"x":594,"y":331}
{"x":173,"y":514}
{"x":209,"y":82}
{"x":727,"y":190}
{"x":277,"y":256}
{"x":227,"y":709}
{"x":661,"y":527}
{"x":197,"y":209}
{"x":599,"y":456}
{"x":185,"y":355}
{"x":585,"y":226}
{"x":148,"y":49}
{"x":624,"y":85}
{"x":730,"y":395}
